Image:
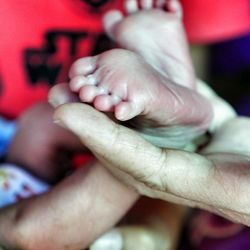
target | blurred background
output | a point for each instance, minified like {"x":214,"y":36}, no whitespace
{"x":219,"y":32}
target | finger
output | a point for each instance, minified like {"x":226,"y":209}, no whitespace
{"x":183,"y":174}
{"x":158,"y":172}
{"x":222,"y":111}
{"x":119,"y":146}
{"x":129,"y":238}
{"x":158,"y":227}
{"x":100,"y":135}
{"x":231,"y":138}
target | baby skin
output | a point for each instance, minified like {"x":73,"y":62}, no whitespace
{"x":155,"y":31}
{"x":149,"y":86}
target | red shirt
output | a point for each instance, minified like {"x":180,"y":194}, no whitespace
{"x":39,"y":41}
{"x":209,"y":21}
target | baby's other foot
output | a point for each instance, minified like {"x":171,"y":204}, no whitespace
{"x":155,"y":31}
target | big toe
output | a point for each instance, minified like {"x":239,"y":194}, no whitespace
{"x":110,"y":21}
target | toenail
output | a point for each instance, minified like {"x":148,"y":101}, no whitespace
{"x":147,"y":4}
{"x":115,"y":99}
{"x":91,"y":80}
{"x":103,"y":91}
{"x":77,"y":82}
{"x":131,"y":6}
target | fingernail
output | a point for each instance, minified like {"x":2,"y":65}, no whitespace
{"x":59,"y":123}
{"x":111,"y":240}
{"x":55,"y":102}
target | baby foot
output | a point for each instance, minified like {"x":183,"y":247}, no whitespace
{"x":120,"y":81}
{"x":116,"y":80}
{"x":154,"y":31}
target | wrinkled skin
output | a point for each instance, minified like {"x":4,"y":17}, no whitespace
{"x":215,"y":180}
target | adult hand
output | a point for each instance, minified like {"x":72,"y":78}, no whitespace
{"x":41,"y":146}
{"x":151,"y":224}
{"x":126,"y":235}
{"x":216,"y":181}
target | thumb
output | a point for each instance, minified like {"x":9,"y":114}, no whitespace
{"x":168,"y":174}
{"x":114,"y":145}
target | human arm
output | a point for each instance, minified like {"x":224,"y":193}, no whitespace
{"x":71,"y":215}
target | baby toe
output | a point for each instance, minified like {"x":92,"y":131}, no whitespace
{"x":131,"y":6}
{"x":83,"y":66}
{"x":77,"y":82}
{"x":110,"y":21}
{"x":88,"y":93}
{"x":104,"y":103}
{"x":175,"y":7}
{"x":147,"y":4}
{"x":127,"y":110}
